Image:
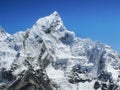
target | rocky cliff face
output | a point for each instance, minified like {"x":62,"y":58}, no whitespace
{"x":49,"y":57}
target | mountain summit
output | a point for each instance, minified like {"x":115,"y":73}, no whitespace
{"x":3,"y":34}
{"x":49,"y":57}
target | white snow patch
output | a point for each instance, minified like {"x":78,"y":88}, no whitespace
{"x":54,"y":74}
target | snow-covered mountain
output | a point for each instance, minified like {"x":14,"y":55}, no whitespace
{"x":49,"y":57}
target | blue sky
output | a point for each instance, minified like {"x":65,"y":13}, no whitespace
{"x":95,"y":19}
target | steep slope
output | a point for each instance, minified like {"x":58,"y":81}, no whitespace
{"x":3,"y":34}
{"x":49,"y":57}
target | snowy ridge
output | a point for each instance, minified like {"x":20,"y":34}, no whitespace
{"x":3,"y":34}
{"x":69,"y":61}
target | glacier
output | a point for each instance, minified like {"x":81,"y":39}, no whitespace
{"x":47,"y":56}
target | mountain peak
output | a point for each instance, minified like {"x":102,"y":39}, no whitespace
{"x":48,"y":20}
{"x":49,"y":54}
{"x":3,"y":34}
{"x":1,"y":29}
{"x":55,"y":13}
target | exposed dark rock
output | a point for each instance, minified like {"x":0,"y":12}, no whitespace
{"x":67,"y":39}
{"x":96,"y":85}
{"x":31,"y":80}
{"x":7,"y":75}
{"x":104,"y":86}
{"x":105,"y":76}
